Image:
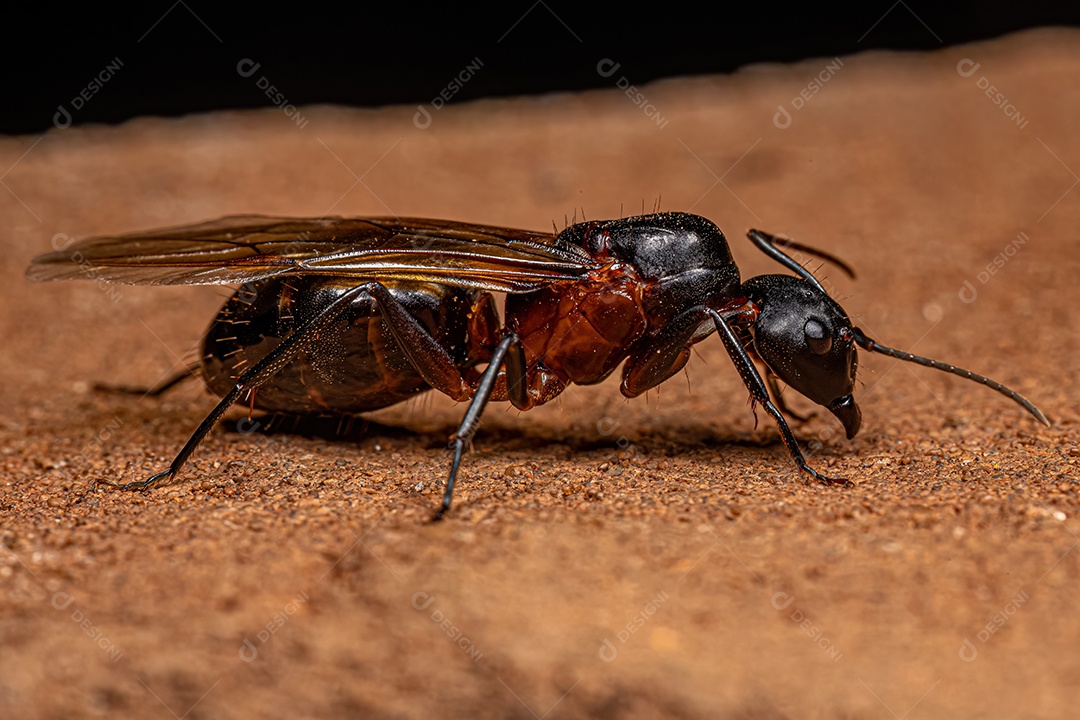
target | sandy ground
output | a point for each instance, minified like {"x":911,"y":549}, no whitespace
{"x":606,"y":558}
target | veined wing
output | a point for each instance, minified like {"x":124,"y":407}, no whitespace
{"x":246,"y":248}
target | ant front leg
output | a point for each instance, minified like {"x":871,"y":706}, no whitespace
{"x":774,"y":388}
{"x":760,"y":394}
{"x":771,"y":378}
{"x":666,"y":354}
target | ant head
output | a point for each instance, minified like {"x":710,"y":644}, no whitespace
{"x":806,"y":339}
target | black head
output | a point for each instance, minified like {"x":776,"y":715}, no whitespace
{"x":807,"y":340}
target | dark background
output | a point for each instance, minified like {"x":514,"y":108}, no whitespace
{"x":181,"y":57}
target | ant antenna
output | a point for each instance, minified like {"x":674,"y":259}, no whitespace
{"x":874,"y":346}
{"x":768,"y":244}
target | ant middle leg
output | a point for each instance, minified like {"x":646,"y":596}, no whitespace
{"x":524,"y":390}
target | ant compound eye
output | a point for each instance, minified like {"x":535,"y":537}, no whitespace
{"x":817,"y":337}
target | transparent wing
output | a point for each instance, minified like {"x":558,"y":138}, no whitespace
{"x":246,"y":248}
